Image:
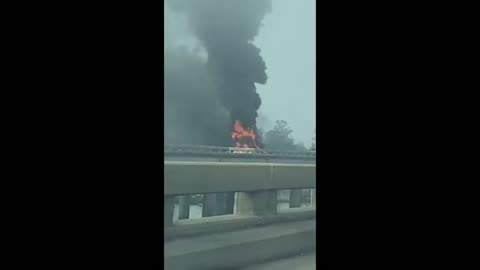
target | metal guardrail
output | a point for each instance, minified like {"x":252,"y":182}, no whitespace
{"x":234,"y":152}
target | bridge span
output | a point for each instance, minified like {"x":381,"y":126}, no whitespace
{"x":257,"y":235}
{"x":233,"y":154}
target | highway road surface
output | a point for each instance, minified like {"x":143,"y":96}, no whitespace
{"x":302,"y":262}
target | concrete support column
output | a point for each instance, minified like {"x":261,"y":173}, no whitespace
{"x":306,"y":196}
{"x":168,"y":206}
{"x":209,"y":202}
{"x":295,"y":198}
{"x":259,"y":203}
{"x":244,"y":203}
{"x":314,"y":197}
{"x":220,"y":204}
{"x":184,"y":207}
{"x":230,"y":202}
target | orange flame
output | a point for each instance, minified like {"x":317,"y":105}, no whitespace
{"x":243,"y":137}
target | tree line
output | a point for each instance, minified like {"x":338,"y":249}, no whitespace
{"x":280,"y":138}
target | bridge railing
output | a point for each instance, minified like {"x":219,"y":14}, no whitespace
{"x":256,"y":185}
{"x":209,"y":151}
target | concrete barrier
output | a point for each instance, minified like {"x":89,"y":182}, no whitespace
{"x":227,"y":223}
{"x":182,"y":178}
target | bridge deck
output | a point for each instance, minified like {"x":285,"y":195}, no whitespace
{"x":232,"y":154}
{"x":237,"y":159}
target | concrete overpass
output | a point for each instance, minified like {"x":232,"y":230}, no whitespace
{"x":256,"y":234}
{"x":233,"y":154}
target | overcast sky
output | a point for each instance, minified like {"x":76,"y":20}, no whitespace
{"x":287,"y":41}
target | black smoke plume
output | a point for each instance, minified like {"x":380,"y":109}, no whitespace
{"x":226,"y":29}
{"x":193,"y":114}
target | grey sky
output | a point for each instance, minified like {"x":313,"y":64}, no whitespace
{"x":287,"y":41}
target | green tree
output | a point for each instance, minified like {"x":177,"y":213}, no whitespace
{"x":280,"y":138}
{"x":300,"y":146}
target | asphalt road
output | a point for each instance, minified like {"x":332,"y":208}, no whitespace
{"x":303,"y":262}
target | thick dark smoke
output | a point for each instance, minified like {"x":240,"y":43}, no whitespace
{"x":193,"y":114}
{"x":226,"y":29}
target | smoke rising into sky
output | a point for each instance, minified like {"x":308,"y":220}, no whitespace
{"x":225,"y":29}
{"x":213,"y":69}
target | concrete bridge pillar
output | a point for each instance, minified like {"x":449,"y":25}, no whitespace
{"x":184,"y":207}
{"x":259,"y":203}
{"x":230,"y":202}
{"x":168,"y":207}
{"x":209,"y":205}
{"x":218,"y":204}
{"x":295,"y":198}
{"x":314,"y":197}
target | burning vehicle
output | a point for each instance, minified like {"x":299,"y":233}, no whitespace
{"x":244,"y":140}
{"x":243,"y":137}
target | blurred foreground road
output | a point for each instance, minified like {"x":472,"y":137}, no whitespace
{"x":305,"y":262}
